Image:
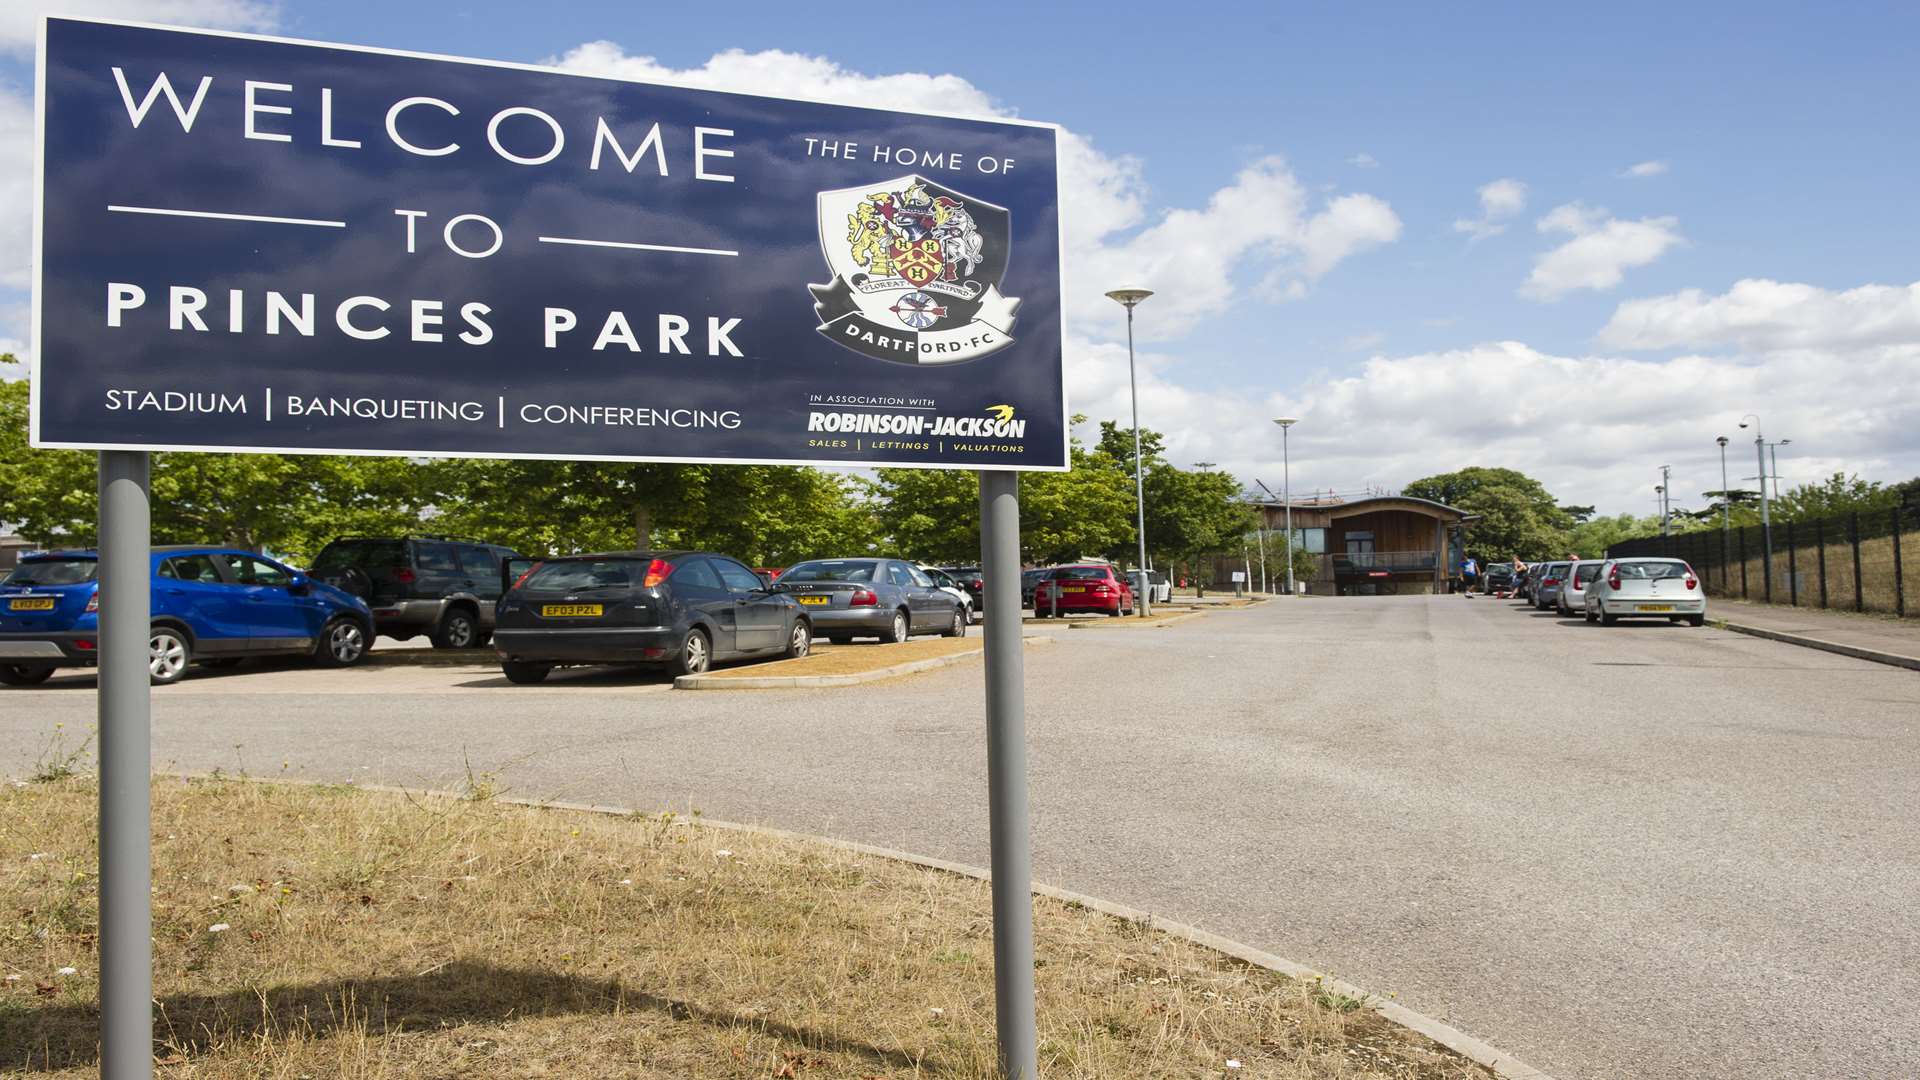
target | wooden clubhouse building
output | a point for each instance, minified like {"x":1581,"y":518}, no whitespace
{"x":1379,"y":545}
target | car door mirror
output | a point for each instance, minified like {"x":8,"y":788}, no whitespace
{"x":299,"y":585}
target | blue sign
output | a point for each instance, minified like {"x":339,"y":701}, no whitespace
{"x":248,"y":243}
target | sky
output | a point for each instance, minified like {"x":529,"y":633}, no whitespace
{"x":1577,"y":242}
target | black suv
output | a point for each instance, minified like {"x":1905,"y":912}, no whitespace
{"x":434,"y":585}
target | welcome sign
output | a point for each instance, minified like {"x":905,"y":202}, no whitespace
{"x":247,"y":243}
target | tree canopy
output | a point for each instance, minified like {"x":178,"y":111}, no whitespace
{"x":1517,"y":517}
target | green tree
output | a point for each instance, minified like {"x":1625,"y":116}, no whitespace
{"x":934,"y":513}
{"x":1590,"y":539}
{"x":1517,"y":516}
{"x":1837,"y":494}
{"x":1192,"y":514}
{"x":1116,"y":442}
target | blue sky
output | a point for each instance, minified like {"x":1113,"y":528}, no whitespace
{"x":1772,"y":136}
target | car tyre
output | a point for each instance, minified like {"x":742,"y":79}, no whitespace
{"x":1608,"y":620}
{"x":957,"y":628}
{"x":696,"y":654}
{"x":458,"y":629}
{"x":1591,"y":617}
{"x":523,"y":673}
{"x":799,"y":640}
{"x":169,"y":654}
{"x":898,"y":630}
{"x":343,"y":643}
{"x":1697,"y":620}
{"x":23,"y":675}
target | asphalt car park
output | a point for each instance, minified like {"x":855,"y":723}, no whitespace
{"x":1554,"y":873}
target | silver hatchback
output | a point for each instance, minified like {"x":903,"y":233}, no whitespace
{"x":1646,"y":589}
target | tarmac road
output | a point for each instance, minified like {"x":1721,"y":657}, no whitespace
{"x":1643,"y":851}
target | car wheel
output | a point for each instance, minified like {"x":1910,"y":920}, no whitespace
{"x":22,"y":675}
{"x":898,"y":630}
{"x":958,"y":628}
{"x":1591,"y":617}
{"x":696,"y":654}
{"x":168,"y":656}
{"x":457,"y":630}
{"x":800,"y":640}
{"x":1697,"y":620}
{"x":1608,"y":620}
{"x":523,"y":673}
{"x":343,"y":642}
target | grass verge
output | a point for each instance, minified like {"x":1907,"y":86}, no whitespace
{"x":327,"y":932}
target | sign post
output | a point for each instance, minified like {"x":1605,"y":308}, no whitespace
{"x":270,"y":246}
{"x":126,"y":770}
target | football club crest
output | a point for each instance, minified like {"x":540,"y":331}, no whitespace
{"x":916,"y":272}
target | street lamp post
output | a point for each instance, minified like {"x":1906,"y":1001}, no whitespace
{"x":1666,"y":500}
{"x":1766,"y":514}
{"x":1773,"y":463}
{"x":1286,"y":492}
{"x":1726,"y":510}
{"x":1129,"y":298}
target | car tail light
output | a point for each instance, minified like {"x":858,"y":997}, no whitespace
{"x":93,"y":602}
{"x":1551,"y":581}
{"x":1692,"y":582}
{"x":522,"y":579}
{"x":84,"y":644}
{"x":864,"y":598}
{"x":403,"y":574}
{"x":1613,"y":581}
{"x":657,"y":572}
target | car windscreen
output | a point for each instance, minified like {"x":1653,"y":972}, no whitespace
{"x":1652,"y":571}
{"x":586,"y":575}
{"x":830,"y":570}
{"x":361,"y":555}
{"x":1080,"y":573}
{"x":53,"y":572}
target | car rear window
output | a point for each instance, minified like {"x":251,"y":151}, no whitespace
{"x":582,"y":575}
{"x":831,"y":570}
{"x":361,"y":555}
{"x":1080,"y":573}
{"x":1584,"y":574}
{"x":54,"y":572}
{"x":1652,"y":571}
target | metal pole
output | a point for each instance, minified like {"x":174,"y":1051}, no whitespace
{"x":1793,"y":568}
{"x":1899,"y":577}
{"x":1853,"y":533}
{"x":1820,"y":545}
{"x":1011,"y":857}
{"x":1766,"y":515}
{"x":1726,"y":512}
{"x":126,"y":768}
{"x":1144,"y":603}
{"x":1261,"y":536}
{"x":1286,"y":496}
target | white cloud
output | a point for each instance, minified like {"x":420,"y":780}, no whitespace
{"x":1644,"y":169}
{"x":1364,"y":160}
{"x":1263,"y":222}
{"x":1770,"y":316}
{"x":20,"y":19}
{"x":1603,"y":248}
{"x":1499,"y":199}
{"x":16,"y":191}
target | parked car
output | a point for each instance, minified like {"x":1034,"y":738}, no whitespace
{"x":432,"y":585}
{"x":1151,"y":584}
{"x":949,"y":586}
{"x":1646,"y":588}
{"x":1546,"y":589}
{"x":886,"y":598}
{"x":1029,"y":581}
{"x":971,"y":580}
{"x":1498,"y":578}
{"x":1529,"y":578}
{"x":1573,"y":587}
{"x":683,"y":610}
{"x":1083,"y":587}
{"x":768,"y":574}
{"x":211,"y":605}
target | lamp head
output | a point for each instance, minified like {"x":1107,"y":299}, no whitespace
{"x":1129,"y":297}
{"x":1743,"y":423}
{"x":1722,"y":440}
{"x":1286,"y":421}
{"x":1784,"y":442}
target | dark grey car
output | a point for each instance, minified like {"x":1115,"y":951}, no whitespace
{"x":886,"y":598}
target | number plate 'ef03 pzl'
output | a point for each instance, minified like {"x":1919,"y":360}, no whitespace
{"x":569,"y":611}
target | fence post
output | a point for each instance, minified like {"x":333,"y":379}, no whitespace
{"x":1820,"y":544}
{"x":1743,"y":562}
{"x":1899,"y":580}
{"x":1793,"y":569}
{"x":1853,"y":533}
{"x":1725,"y":591}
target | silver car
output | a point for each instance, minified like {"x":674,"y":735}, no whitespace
{"x":1646,"y":589}
{"x":1546,"y":587}
{"x":890,"y":599}
{"x":1572,"y":599}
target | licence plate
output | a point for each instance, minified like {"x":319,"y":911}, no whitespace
{"x":1073,"y":588}
{"x":815,"y":601}
{"x":1656,"y":607}
{"x":569,"y":611}
{"x":38,"y":603}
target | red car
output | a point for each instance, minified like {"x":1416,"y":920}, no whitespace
{"x":1084,"y":587}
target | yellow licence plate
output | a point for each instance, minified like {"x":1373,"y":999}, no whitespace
{"x":815,"y":601}
{"x":568,"y":611}
{"x":37,"y":603}
{"x":1073,"y":588}
{"x":1656,"y":607}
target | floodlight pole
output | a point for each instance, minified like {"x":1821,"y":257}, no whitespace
{"x":126,"y":767}
{"x":1008,"y":826}
{"x":1129,"y":298}
{"x":1286,"y":488}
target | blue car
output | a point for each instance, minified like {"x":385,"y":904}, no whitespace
{"x":211,"y":605}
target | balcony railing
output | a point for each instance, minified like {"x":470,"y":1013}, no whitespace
{"x":1393,"y":561}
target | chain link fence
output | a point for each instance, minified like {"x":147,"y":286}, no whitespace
{"x":1850,"y":562}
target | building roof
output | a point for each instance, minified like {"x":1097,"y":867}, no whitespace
{"x":1373,"y":503}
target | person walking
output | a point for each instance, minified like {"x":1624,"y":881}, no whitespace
{"x":1469,"y":573}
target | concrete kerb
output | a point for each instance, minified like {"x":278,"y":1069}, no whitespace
{"x":1855,"y":651}
{"x":1502,"y":1063}
{"x":800,"y":682}
{"x":431,"y":658}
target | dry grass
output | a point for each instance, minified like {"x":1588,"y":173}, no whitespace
{"x":371,"y":935}
{"x":1876,"y":573}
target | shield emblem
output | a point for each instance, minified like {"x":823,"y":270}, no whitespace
{"x":916,"y":269}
